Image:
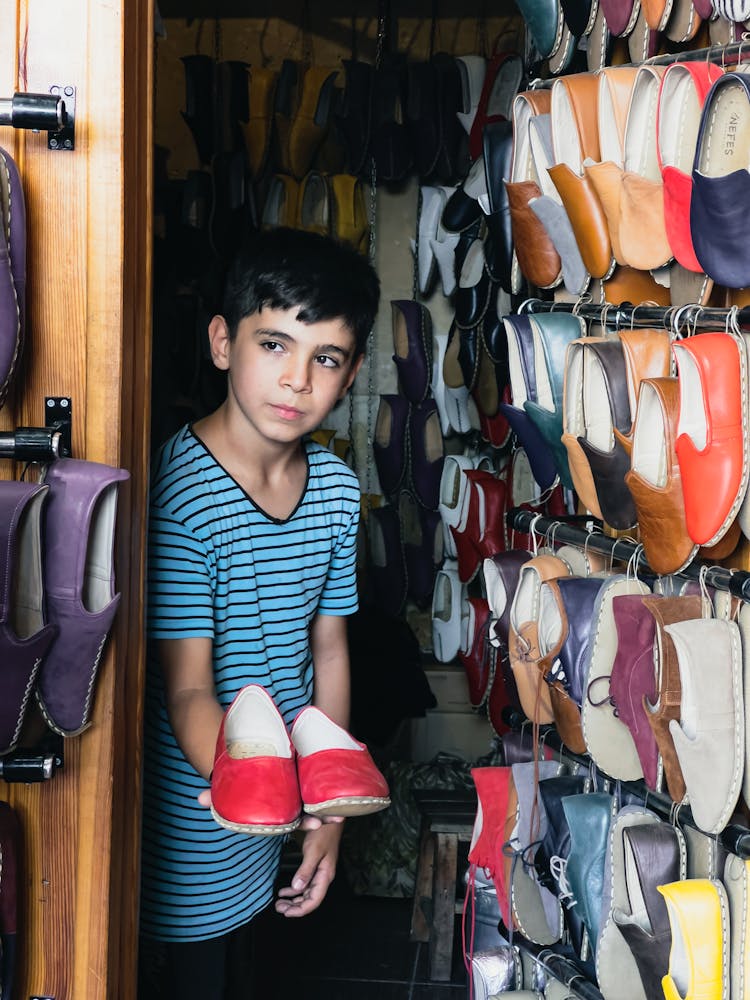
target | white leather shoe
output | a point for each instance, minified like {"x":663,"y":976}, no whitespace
{"x":448,"y":600}
{"x":472,"y":70}
{"x":454,"y":498}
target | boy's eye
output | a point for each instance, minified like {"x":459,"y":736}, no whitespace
{"x":272,"y":345}
{"x":327,"y":361}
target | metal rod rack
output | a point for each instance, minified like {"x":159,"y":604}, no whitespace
{"x":562,"y":968}
{"x":735,"y":581}
{"x":39,"y":112}
{"x":627,"y":314}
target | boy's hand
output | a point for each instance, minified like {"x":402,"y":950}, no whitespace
{"x":320,"y":850}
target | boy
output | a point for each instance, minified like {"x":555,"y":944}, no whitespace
{"x":252,"y":568}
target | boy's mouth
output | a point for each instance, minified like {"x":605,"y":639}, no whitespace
{"x":286,"y":412}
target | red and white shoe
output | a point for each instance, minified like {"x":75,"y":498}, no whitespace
{"x":337,"y":775}
{"x":254,"y":785}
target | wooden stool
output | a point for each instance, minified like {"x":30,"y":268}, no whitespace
{"x":447,"y":818}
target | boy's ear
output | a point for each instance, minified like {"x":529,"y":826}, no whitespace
{"x":353,"y":372}
{"x":219,"y":341}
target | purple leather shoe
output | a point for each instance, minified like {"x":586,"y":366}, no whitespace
{"x":633,"y":677}
{"x":426,"y":453}
{"x":386,"y":570}
{"x":24,"y":637}
{"x":12,"y":270}
{"x":389,"y":442}
{"x":79,"y":582}
{"x":422,"y":536}
{"x":412,"y":341}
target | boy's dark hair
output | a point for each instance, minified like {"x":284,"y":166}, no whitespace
{"x":283,"y":268}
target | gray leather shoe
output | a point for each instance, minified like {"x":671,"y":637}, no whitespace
{"x":709,"y":736}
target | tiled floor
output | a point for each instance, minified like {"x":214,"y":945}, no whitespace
{"x":352,"y":948}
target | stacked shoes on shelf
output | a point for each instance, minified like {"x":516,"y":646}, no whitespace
{"x":405,"y":535}
{"x":637,"y":905}
{"x":629,"y":184}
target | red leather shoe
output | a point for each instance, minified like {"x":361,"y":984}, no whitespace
{"x":711,"y":445}
{"x":491,"y":540}
{"x":476,"y":655}
{"x":337,"y":775}
{"x":254,"y":781}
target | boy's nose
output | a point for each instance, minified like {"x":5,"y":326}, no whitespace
{"x":297,"y":375}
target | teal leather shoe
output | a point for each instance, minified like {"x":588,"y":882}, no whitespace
{"x":552,"y":334}
{"x":545,"y":21}
{"x":589,"y":818}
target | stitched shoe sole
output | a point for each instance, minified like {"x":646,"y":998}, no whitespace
{"x":262,"y":830}
{"x":347,"y":806}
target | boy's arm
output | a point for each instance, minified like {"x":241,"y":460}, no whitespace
{"x":194,"y":712}
{"x":331,"y":687}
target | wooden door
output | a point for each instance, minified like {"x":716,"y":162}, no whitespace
{"x":89,"y":281}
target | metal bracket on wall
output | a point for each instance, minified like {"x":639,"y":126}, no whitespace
{"x":42,"y":444}
{"x":64,"y":138}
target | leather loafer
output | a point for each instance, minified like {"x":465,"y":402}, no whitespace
{"x":422,"y":539}
{"x":709,"y":734}
{"x":254,"y":786}
{"x":552,"y":334}
{"x":498,"y":252}
{"x":337,"y":775}
{"x":24,"y":636}
{"x":12,"y":270}
{"x":79,"y":585}
{"x":721,"y":182}
{"x":682,"y":94}
{"x":389,"y":446}
{"x":387,"y":568}
{"x":649,"y":854}
{"x":426,"y":454}
{"x":699,"y":920}
{"x":501,"y":573}
{"x":712,"y":444}
{"x":448,"y":602}
{"x":588,"y":819}
{"x":475,"y":653}
{"x":654,"y":478}
{"x":412,"y":341}
{"x":522,"y":374}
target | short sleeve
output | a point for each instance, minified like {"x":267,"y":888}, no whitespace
{"x":180,"y":598}
{"x":339,"y":595}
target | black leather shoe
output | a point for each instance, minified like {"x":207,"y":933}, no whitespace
{"x":498,"y":152}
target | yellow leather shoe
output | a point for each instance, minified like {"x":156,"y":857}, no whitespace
{"x":698,"y":960}
{"x":310,"y":122}
{"x":349,"y":212}
{"x":257,"y":130}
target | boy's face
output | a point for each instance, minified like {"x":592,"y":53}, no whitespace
{"x":284,"y":376}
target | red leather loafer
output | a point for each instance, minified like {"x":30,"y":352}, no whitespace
{"x":337,"y":775}
{"x":711,"y":443}
{"x":254,"y":782}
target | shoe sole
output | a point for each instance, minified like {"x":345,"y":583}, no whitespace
{"x":260,"y":829}
{"x":353,"y":806}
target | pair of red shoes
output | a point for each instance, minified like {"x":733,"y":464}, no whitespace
{"x":264,"y":776}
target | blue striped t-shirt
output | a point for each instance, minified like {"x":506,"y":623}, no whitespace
{"x":220,"y":567}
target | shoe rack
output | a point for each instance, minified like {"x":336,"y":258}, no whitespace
{"x":734,"y":838}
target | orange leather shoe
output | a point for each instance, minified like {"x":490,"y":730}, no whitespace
{"x":712,"y":444}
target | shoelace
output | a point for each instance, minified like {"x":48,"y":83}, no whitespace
{"x":559,"y":870}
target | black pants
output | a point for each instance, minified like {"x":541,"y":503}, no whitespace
{"x":217,"y":969}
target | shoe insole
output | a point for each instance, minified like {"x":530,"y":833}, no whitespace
{"x":97,"y":579}
{"x":597,"y":410}
{"x":679,"y":120}
{"x":640,"y":131}
{"x":25,"y":613}
{"x":692,"y":419}
{"x":241,"y":749}
{"x":649,"y":445}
